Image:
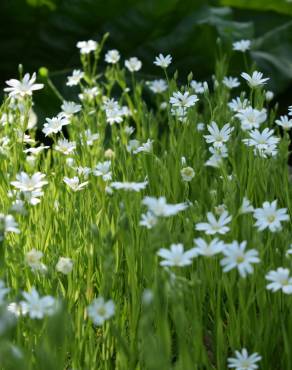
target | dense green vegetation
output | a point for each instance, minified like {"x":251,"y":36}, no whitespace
{"x":153,"y":232}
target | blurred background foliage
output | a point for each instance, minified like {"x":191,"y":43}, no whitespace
{"x":44,"y":33}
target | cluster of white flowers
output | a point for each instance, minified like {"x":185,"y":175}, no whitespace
{"x":114,"y":112}
{"x":181,"y":102}
{"x":218,"y":138}
{"x":235,"y":255}
{"x":248,"y":123}
{"x":251,"y":118}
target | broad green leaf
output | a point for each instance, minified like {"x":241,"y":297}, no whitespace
{"x":280,"y":6}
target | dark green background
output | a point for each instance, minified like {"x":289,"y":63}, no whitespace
{"x":44,"y":33}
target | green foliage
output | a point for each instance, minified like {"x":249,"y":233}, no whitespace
{"x":37,"y":36}
{"x":274,"y":49}
{"x":51,"y":4}
{"x":190,"y":317}
{"x":280,"y":6}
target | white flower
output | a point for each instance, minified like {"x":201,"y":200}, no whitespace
{"x":163,"y":61}
{"x":114,"y":113}
{"x":36,"y":150}
{"x":99,"y":311}
{"x":90,"y":137}
{"x":147,"y":297}
{"x":66,"y":147}
{"x":55,"y":124}
{"x":83,"y":171}
{"x":255,"y":80}
{"x":89,"y":93}
{"x":237,"y":104}
{"x":133,"y":64}
{"x":251,"y":118}
{"x":33,"y":259}
{"x":32,"y":197}
{"x":180,"y":113}
{"x":269,"y":96}
{"x":218,"y":137}
{"x":70,"y":161}
{"x":126,"y":111}
{"x":215,"y":226}
{"x":264,"y":142}
{"x":144,"y":147}
{"x":70,"y":107}
{"x":109,"y":153}
{"x":18,"y":206}
{"x":183,"y":100}
{"x":103,"y":169}
{"x":22,"y":88}
{"x":109,"y":190}
{"x":208,"y":249}
{"x":148,"y":220}
{"x":87,"y":46}
{"x":218,"y":153}
{"x":133,"y":145}
{"x":242,"y":45}
{"x":219,"y":209}
{"x":112,"y":56}
{"x":76,"y":77}
{"x":64,"y":265}
{"x":183,"y":161}
{"x":29,"y":183}
{"x":280,"y":280}
{"x":246,"y":206}
{"x":231,"y":82}
{"x":114,"y":116}
{"x":175,"y":256}
{"x":157,"y":86}
{"x":237,"y":257}
{"x":290,"y":111}
{"x":74,"y":183}
{"x":187,"y":173}
{"x":37,"y":307}
{"x":129,"y":130}
{"x":130,"y":186}
{"x":270,"y":217}
{"x":201,"y":126}
{"x":198,"y":87}
{"x":110,"y":104}
{"x":284,"y":122}
{"x":160,"y":208}
{"x":243,"y":361}
{"x":15,"y":309}
{"x":8,"y":225}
